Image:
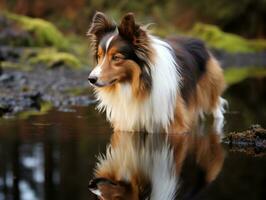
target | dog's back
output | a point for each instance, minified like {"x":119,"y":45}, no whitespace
{"x":202,"y":77}
{"x":192,"y":57}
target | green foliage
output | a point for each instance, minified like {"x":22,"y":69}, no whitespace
{"x":13,"y":65}
{"x":245,"y":17}
{"x":44,"y":33}
{"x":236,"y":74}
{"x":42,"y":43}
{"x":218,"y":39}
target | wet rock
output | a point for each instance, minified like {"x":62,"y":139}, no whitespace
{"x":254,"y":137}
{"x":20,"y":102}
{"x":24,"y":90}
{"x":4,"y":108}
{"x":6,"y":78}
{"x":32,"y":100}
{"x":12,"y":34}
{"x":10,"y":53}
{"x":1,"y":59}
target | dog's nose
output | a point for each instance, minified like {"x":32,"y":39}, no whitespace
{"x":92,"y":79}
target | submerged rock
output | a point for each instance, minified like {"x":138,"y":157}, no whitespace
{"x":251,"y":140}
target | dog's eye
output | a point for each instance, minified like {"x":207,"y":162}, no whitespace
{"x":117,"y":58}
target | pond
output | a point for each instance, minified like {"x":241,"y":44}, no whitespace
{"x":53,"y":156}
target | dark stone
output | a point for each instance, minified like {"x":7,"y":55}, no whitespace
{"x":4,"y":108}
{"x":9,"y":53}
{"x":4,"y":78}
{"x":57,"y":64}
{"x":21,"y":91}
{"x":1,"y":70}
{"x":12,"y":35}
{"x":251,"y":141}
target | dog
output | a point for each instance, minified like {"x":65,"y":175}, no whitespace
{"x":144,"y":83}
{"x":140,"y":166}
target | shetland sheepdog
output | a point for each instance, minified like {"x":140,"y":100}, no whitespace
{"x":144,"y":83}
{"x":157,"y":166}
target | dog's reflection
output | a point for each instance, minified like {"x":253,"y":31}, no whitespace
{"x":157,"y":166}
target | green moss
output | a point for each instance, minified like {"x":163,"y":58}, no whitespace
{"x":45,"y":107}
{"x":216,"y":38}
{"x":53,"y":58}
{"x":48,"y":57}
{"x":235,"y":75}
{"x":13,"y":65}
{"x":77,"y":91}
{"x":44,"y":32}
{"x":80,"y":46}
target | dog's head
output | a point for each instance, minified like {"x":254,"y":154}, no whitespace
{"x":122,"y":52}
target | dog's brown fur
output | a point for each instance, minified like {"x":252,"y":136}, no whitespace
{"x":130,"y":58}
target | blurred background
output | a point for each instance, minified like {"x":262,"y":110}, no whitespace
{"x":229,"y":26}
{"x":226,"y":26}
{"x":50,"y":132}
{"x":244,"y":17}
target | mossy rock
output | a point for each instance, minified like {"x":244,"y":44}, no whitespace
{"x":14,"y":65}
{"x":53,"y":59}
{"x":236,"y":74}
{"x":42,"y":33}
{"x":45,"y":107}
{"x":218,"y":39}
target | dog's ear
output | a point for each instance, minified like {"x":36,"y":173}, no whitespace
{"x":128,"y":29}
{"x":100,"y":25}
{"x":136,"y":35}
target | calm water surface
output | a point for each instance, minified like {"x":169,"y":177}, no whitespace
{"x":52,"y":156}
